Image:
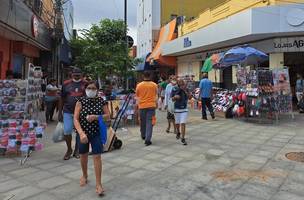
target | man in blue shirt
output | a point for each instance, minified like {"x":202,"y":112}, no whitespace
{"x":205,"y":94}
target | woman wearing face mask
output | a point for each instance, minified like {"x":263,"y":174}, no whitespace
{"x":180,"y":96}
{"x":87,"y":111}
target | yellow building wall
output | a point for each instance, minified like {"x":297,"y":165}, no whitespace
{"x":223,"y":9}
{"x":188,"y":8}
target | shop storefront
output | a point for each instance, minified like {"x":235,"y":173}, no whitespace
{"x":164,"y":65}
{"x":23,"y":36}
{"x":277,"y":35}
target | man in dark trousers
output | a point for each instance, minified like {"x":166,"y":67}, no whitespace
{"x":205,"y":94}
{"x":146,"y":93}
{"x":71,"y":90}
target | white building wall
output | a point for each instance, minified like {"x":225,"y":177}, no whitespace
{"x":148,"y":19}
{"x":68,"y":12}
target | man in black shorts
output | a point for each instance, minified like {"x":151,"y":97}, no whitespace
{"x":168,"y":91}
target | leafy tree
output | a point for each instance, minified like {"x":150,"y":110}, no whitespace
{"x":101,"y":50}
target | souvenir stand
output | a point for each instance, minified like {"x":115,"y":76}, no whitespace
{"x":263,"y":94}
{"x":21,"y":130}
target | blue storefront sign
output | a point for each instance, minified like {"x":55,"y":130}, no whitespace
{"x":187,"y":42}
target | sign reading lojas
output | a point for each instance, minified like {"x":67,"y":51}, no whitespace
{"x":294,"y":44}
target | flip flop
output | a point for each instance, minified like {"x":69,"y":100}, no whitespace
{"x":77,"y":156}
{"x":100,"y":191}
{"x":67,"y":156}
{"x":83,"y":181}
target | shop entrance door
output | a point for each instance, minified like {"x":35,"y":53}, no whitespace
{"x":295,"y":62}
{"x":227,"y":78}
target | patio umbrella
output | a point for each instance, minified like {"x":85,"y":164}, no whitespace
{"x":207,"y":67}
{"x":213,"y":62}
{"x":243,"y":55}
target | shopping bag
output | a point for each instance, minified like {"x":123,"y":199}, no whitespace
{"x":171,"y":106}
{"x":58,"y":133}
{"x":102,"y":130}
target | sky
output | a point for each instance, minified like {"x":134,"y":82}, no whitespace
{"x":87,"y":12}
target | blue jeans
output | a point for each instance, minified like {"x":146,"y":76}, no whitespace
{"x":146,"y":127}
{"x":68,"y":123}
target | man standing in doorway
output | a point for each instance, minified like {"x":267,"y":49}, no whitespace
{"x":205,"y":93}
{"x":146,"y":93}
{"x":71,"y":91}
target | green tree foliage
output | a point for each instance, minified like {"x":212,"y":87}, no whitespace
{"x":101,"y":50}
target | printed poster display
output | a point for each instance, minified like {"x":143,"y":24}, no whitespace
{"x":282,"y":90}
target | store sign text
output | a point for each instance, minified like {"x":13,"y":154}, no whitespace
{"x":187,"y":42}
{"x":295,"y":44}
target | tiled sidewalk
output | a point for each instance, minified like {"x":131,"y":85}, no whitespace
{"x":224,"y":160}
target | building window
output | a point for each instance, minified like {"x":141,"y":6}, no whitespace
{"x":37,"y":7}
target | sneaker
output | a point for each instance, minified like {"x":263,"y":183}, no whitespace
{"x":177,"y":136}
{"x":184,"y":141}
{"x":148,"y":143}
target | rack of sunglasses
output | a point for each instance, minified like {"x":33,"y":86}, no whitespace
{"x":21,"y":131}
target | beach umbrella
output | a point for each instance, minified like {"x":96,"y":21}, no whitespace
{"x":243,"y":55}
{"x":207,"y":67}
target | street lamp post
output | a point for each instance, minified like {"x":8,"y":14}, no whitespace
{"x":126,"y":38}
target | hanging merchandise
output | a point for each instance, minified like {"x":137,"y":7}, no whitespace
{"x":282,"y":90}
{"x":222,"y":100}
{"x":267,"y":93}
{"x":20,"y":128}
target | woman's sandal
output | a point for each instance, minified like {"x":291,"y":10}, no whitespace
{"x":83,"y":181}
{"x":67,"y":155}
{"x":100,"y":191}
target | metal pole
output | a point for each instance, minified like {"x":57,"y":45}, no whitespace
{"x":126,"y":38}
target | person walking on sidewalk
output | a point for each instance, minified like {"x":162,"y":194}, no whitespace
{"x":162,"y":87}
{"x":87,"y":112}
{"x":180,"y":96}
{"x":71,"y":91}
{"x":51,"y":99}
{"x":205,"y":94}
{"x":168,"y":92}
{"x":146,"y":93}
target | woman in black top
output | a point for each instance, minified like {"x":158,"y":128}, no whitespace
{"x":87,"y":111}
{"x":180,"y":96}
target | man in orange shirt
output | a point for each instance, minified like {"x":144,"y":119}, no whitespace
{"x":146,"y":93}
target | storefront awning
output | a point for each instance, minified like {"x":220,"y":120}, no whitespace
{"x":167,"y":33}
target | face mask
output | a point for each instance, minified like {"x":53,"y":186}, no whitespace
{"x":76,"y":81}
{"x":174,"y":82}
{"x":91,"y":93}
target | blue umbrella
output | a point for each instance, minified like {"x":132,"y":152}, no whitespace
{"x":243,"y":55}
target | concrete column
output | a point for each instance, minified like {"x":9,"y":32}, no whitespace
{"x":276,"y":60}
{"x":234,"y":72}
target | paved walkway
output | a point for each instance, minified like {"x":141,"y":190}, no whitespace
{"x":225,"y":160}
